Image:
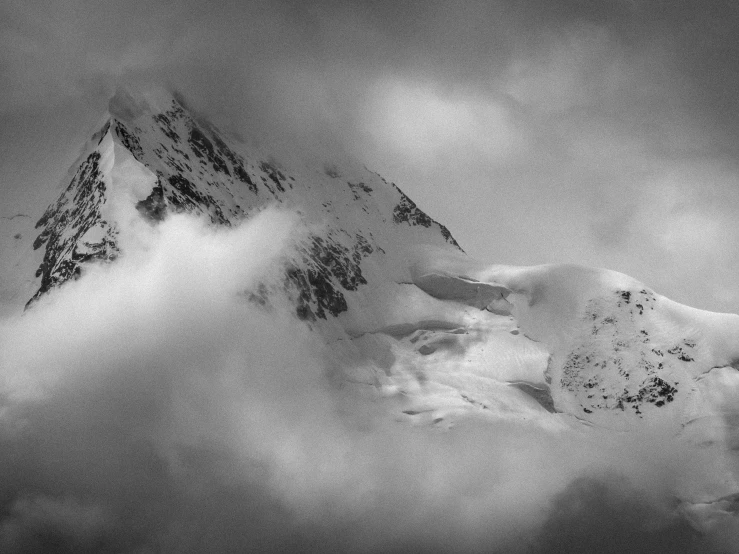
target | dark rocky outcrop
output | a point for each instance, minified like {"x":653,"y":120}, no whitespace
{"x":327,"y":267}
{"x":406,"y":211}
{"x":65,"y":226}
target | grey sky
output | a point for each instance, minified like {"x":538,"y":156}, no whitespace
{"x":603,"y":133}
{"x":599,"y":132}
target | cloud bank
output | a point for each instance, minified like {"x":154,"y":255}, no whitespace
{"x":149,"y":406}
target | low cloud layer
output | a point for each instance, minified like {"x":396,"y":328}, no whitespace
{"x":149,"y":406}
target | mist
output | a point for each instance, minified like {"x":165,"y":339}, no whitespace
{"x":150,"y":406}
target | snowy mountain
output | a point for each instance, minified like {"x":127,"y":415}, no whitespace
{"x":154,"y":155}
{"x":409,"y":318}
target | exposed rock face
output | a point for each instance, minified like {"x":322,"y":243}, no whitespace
{"x":406,"y":211}
{"x":154,"y":206}
{"x":327,"y":267}
{"x":618,"y":365}
{"x":73,"y":230}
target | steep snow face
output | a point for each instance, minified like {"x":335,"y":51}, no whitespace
{"x":154,"y":156}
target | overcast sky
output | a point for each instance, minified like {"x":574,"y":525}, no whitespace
{"x":173,"y":419}
{"x":596,"y":132}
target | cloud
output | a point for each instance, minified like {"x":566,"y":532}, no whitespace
{"x":626,"y":520}
{"x":428,"y":128}
{"x":150,"y":406}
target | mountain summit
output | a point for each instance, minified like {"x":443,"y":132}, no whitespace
{"x":434,"y":336}
{"x":153,"y":154}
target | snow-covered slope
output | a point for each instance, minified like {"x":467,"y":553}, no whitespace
{"x":406,"y":314}
{"x":593,"y":347}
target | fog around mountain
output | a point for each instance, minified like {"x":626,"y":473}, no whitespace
{"x":228,"y":349}
{"x":196,"y":372}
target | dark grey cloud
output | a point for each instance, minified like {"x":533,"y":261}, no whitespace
{"x":625,"y":518}
{"x":74,"y":45}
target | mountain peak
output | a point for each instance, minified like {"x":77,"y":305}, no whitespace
{"x":154,"y":156}
{"x":129,"y":103}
